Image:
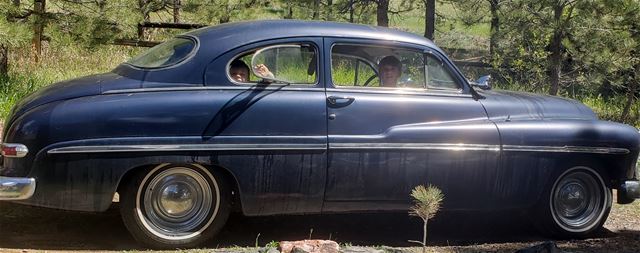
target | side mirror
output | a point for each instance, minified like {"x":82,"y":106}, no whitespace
{"x":483,"y":82}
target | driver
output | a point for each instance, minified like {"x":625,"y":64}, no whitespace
{"x":390,"y":70}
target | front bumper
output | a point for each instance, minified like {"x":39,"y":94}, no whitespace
{"x":16,"y":188}
{"x":628,"y":191}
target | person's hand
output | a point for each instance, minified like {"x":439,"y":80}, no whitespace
{"x":262,"y":71}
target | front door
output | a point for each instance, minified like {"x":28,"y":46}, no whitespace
{"x":399,"y":116}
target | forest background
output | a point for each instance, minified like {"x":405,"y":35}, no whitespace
{"x":587,"y":50}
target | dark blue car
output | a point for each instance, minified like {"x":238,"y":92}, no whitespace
{"x":293,"y":117}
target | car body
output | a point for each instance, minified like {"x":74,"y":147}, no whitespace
{"x":184,"y":143}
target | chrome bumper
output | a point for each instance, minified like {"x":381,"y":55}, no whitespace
{"x":631,"y":189}
{"x":16,"y":188}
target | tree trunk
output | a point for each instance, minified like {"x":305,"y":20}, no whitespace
{"x":351,"y":11}
{"x":495,"y":26}
{"x":176,"y":11}
{"x":39,"y":9}
{"x":329,"y":10}
{"x":429,"y":18}
{"x":142,"y":5}
{"x":424,"y":237}
{"x":316,"y":9}
{"x":383,"y":13}
{"x":4,"y":60}
{"x":289,"y":14}
{"x":555,"y":58}
{"x":631,"y":95}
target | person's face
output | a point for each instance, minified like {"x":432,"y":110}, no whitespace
{"x":389,"y":75}
{"x":239,"y":74}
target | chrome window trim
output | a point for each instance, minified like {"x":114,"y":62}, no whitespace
{"x":200,"y":88}
{"x":565,"y":149}
{"x":184,"y":147}
{"x":401,"y":91}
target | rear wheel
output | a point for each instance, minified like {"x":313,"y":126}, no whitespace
{"x":576,"y":204}
{"x":175,"y":206}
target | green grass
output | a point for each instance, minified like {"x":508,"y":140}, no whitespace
{"x":58,"y":63}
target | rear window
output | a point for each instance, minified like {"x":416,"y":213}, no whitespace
{"x":165,"y":54}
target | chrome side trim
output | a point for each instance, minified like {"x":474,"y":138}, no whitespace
{"x":183,"y":147}
{"x":271,"y":87}
{"x":565,"y":149}
{"x":16,"y":188}
{"x":416,"y":146}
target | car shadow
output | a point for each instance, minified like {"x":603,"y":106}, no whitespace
{"x":24,"y":227}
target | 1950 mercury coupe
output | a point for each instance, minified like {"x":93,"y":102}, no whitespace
{"x":291,"y":117}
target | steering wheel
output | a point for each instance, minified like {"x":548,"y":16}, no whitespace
{"x":366,"y":83}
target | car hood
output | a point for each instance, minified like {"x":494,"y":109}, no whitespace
{"x":503,"y":105}
{"x":80,"y":87}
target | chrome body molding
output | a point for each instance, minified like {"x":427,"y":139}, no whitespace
{"x":565,"y":149}
{"x":416,"y":146}
{"x":271,"y":87}
{"x":183,"y":147}
{"x":335,"y":146}
{"x":16,"y":188}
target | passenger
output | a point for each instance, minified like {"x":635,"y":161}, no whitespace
{"x":390,"y":69}
{"x":239,"y":71}
{"x":262,"y":71}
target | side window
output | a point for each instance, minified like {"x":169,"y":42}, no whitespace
{"x":375,"y":66}
{"x":350,"y":70}
{"x":285,"y":63}
{"x":437,"y":75}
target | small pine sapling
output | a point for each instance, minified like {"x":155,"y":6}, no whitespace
{"x":427,"y":202}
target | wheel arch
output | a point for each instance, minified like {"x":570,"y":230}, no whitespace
{"x":227,"y":175}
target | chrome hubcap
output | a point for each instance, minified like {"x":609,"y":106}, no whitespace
{"x":578,"y":201}
{"x":177,"y":201}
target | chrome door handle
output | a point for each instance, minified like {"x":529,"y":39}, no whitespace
{"x":334,"y":100}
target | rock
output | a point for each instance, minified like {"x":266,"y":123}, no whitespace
{"x":546,"y":247}
{"x":268,"y":250}
{"x":309,"y":246}
{"x":356,"y":249}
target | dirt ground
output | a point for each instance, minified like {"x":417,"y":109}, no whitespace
{"x":31,"y":229}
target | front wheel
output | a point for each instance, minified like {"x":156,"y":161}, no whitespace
{"x":175,"y":206}
{"x":576,"y":204}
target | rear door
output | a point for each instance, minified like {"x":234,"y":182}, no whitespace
{"x":383,"y":141}
{"x":279,"y":128}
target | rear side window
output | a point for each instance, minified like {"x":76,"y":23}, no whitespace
{"x":165,"y":54}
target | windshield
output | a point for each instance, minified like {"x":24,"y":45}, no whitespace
{"x":165,"y":54}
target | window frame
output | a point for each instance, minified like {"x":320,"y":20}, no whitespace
{"x":188,"y":57}
{"x":330,"y":42}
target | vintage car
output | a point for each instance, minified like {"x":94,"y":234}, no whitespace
{"x":296,"y":117}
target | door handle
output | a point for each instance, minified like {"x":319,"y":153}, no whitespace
{"x":335,"y":100}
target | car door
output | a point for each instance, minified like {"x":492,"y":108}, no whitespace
{"x":278,"y":128}
{"x":428,"y":129}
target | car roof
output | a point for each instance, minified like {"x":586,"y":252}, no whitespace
{"x":251,"y":31}
{"x":214,"y":41}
